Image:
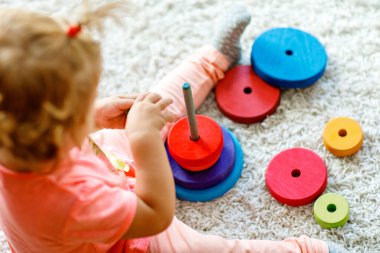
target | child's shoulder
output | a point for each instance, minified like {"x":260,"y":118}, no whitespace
{"x":84,"y":167}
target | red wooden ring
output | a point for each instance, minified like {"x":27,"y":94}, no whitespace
{"x":196,"y":155}
{"x":296,"y":177}
{"x":245,"y":98}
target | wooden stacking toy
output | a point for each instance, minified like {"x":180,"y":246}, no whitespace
{"x":331,"y":210}
{"x":206,"y":159}
{"x":288,"y":58}
{"x":296,"y":177}
{"x":243,"y":97}
{"x":343,"y":136}
{"x":199,"y":153}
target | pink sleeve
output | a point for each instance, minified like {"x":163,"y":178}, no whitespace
{"x":102,"y":214}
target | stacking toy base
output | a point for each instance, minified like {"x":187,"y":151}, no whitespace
{"x":219,"y":189}
{"x":210,"y":177}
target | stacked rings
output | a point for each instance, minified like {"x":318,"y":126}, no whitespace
{"x":200,"y":154}
{"x":208,"y":167}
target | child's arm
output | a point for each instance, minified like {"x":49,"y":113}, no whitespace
{"x":154,"y":180}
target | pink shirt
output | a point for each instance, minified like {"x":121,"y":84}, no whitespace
{"x":84,"y":206}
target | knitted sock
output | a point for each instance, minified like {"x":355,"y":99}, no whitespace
{"x":335,"y":248}
{"x":231,"y":25}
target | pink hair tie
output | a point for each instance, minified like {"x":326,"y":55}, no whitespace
{"x":73,"y":30}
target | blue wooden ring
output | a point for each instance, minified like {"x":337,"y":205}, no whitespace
{"x":288,"y":58}
{"x":219,"y":189}
{"x":212,"y":176}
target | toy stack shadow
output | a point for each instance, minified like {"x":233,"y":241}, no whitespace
{"x":206,"y":159}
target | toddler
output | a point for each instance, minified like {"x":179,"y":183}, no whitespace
{"x":62,"y":191}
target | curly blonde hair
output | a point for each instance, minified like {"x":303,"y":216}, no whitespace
{"x":47,"y":81}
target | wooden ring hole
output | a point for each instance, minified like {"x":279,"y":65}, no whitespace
{"x":289,"y":52}
{"x":296,"y":173}
{"x":342,"y":132}
{"x":247,"y":90}
{"x":331,"y":208}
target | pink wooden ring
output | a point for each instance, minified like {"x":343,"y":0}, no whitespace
{"x":296,"y":177}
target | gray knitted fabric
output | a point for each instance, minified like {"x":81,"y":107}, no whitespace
{"x":230,"y":27}
{"x":335,"y":248}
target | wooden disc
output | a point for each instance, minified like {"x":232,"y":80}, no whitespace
{"x":213,"y":175}
{"x":296,"y":176}
{"x":331,"y":210}
{"x":343,"y":136}
{"x":219,"y":189}
{"x":200,"y":154}
{"x":243,"y":97}
{"x":288,"y":58}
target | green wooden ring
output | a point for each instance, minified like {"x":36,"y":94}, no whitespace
{"x":331,"y":210}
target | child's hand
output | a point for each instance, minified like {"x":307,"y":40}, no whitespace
{"x":111,"y":112}
{"x":148,"y":114}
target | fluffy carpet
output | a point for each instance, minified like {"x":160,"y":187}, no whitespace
{"x":158,"y":35}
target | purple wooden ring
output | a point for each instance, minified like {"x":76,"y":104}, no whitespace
{"x":206,"y":178}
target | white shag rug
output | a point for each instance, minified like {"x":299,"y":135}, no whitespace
{"x":158,"y":35}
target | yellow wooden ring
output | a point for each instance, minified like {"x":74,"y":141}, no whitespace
{"x":343,"y":136}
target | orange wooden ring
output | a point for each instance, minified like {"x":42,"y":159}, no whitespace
{"x":200,"y":154}
{"x":343,"y":136}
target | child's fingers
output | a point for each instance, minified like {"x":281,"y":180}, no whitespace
{"x":165,"y":102}
{"x":128,"y":96}
{"x":168,"y":116}
{"x":153,"y":97}
{"x":141,"y":97}
{"x":124,"y":103}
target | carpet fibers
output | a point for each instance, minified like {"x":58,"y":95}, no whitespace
{"x":158,"y":35}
